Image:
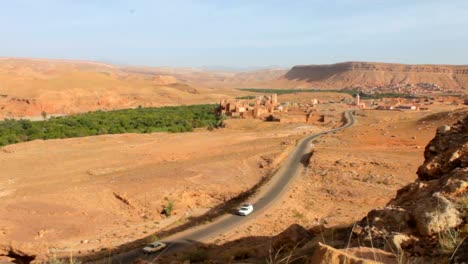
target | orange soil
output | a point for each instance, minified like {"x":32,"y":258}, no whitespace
{"x":28,"y":87}
{"x":351,"y":172}
{"x":88,"y":193}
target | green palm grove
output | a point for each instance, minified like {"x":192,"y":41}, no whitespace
{"x":141,"y":120}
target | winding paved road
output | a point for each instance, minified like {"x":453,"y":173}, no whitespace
{"x":268,"y":194}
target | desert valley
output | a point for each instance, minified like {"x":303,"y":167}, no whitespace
{"x":71,"y":191}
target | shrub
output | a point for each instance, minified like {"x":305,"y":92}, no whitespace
{"x":168,"y":209}
{"x":198,"y":255}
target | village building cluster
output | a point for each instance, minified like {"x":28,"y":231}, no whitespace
{"x":311,"y":111}
{"x":408,"y":88}
{"x":408,"y":104}
{"x":260,"y":107}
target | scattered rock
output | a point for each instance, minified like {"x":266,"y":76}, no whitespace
{"x":327,"y":255}
{"x":357,"y":230}
{"x":398,"y":242}
{"x":443,"y":129}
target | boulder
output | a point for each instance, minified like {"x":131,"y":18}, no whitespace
{"x":327,"y":255}
{"x":443,"y":129}
{"x":435,"y":214}
{"x":448,"y":150}
{"x":295,"y":235}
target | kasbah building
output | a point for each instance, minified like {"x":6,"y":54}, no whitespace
{"x":263,"y":107}
{"x":268,"y":108}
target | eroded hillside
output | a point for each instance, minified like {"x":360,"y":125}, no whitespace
{"x":29,"y":87}
{"x":366,"y":74}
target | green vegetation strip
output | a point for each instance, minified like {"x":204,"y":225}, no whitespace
{"x":346,"y":91}
{"x":142,"y":120}
{"x":247,"y":97}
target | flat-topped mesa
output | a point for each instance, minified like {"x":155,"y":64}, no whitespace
{"x":368,"y":74}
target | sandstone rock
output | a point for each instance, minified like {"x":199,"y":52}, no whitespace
{"x":327,"y":255}
{"x":446,"y":151}
{"x":6,"y":260}
{"x":444,"y":162}
{"x":295,"y":234}
{"x":456,"y":183}
{"x":390,"y":218}
{"x":357,"y":230}
{"x":443,"y":129}
{"x":398,"y":241}
{"x":381,"y":256}
{"x":436,"y":215}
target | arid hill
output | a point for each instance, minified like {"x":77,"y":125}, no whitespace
{"x":29,"y":87}
{"x":367,"y":74}
{"x":217,"y":79}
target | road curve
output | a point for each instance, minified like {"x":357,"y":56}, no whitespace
{"x":266,"y":196}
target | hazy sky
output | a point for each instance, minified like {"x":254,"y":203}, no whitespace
{"x":236,"y":33}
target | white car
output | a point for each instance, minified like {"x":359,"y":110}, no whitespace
{"x":153,"y":247}
{"x":246,"y":209}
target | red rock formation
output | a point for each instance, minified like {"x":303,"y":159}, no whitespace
{"x":367,"y":74}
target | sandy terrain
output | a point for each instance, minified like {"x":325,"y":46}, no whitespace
{"x":92,"y":193}
{"x":95,"y":192}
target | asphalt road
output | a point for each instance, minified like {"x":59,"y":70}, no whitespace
{"x":267,"y":195}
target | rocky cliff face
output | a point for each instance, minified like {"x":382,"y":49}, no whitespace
{"x":366,"y":74}
{"x":429,"y":217}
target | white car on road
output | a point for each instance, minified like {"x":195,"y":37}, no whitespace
{"x":246,"y":209}
{"x":153,"y":247}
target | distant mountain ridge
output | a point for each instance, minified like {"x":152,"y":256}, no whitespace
{"x":369,"y":74}
{"x":29,"y":87}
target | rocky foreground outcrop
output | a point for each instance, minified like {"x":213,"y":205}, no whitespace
{"x":368,"y":74}
{"x":428,"y":218}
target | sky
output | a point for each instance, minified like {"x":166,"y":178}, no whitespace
{"x":236,"y":33}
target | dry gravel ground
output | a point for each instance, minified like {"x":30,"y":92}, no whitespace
{"x":98,"y":192}
{"x":350,"y":173}
{"x":86,"y":194}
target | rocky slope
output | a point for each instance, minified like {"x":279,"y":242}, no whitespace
{"x":367,"y":74}
{"x":217,"y":79}
{"x":428,"y":218}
